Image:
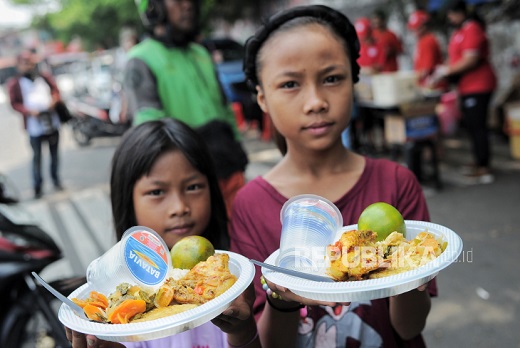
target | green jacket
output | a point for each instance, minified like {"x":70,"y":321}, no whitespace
{"x":186,"y":85}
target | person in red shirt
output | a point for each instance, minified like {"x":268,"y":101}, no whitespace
{"x":371,"y":61}
{"x":371,"y":53}
{"x":428,"y":54}
{"x":468,"y":64}
{"x":390,"y":42}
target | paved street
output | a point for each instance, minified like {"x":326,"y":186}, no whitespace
{"x":479,"y":296}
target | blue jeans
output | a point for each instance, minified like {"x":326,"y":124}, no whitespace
{"x":36,"y":144}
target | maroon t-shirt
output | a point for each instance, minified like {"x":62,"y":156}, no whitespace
{"x":255,"y":233}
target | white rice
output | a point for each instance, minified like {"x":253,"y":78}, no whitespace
{"x":177,"y":273}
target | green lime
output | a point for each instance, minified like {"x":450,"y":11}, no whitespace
{"x":191,"y":250}
{"x":383,"y":219}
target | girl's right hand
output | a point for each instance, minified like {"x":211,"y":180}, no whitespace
{"x":81,"y":340}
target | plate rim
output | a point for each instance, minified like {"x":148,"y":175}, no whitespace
{"x":120,"y":331}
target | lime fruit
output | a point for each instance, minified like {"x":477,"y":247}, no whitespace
{"x":191,"y":250}
{"x":383,"y":219}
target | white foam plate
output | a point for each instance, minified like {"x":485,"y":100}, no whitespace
{"x":371,"y":289}
{"x":238,"y":265}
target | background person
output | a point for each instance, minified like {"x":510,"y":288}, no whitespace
{"x":170,"y":75}
{"x":175,"y":204}
{"x":371,"y":52}
{"x":392,"y":45}
{"x":302,"y":62}
{"x":371,"y":61}
{"x":469,"y":66}
{"x":428,"y":54}
{"x":34,"y":95}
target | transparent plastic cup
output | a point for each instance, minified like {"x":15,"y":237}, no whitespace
{"x":141,"y":258}
{"x":309,"y":225}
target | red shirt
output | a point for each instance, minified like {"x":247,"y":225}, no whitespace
{"x":472,"y":38}
{"x":371,"y":55}
{"x":428,"y":55}
{"x":255,"y":233}
{"x":392,"y":46}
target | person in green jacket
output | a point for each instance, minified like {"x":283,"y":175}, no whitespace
{"x":170,"y":75}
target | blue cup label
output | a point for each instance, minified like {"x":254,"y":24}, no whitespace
{"x":146,"y":258}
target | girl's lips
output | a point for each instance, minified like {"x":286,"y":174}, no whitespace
{"x":180,"y":230}
{"x":318,"y":128}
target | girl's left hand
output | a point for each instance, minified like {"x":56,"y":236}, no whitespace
{"x":288,"y":295}
{"x":235,"y":318}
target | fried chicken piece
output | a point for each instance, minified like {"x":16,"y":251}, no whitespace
{"x":204,"y":282}
{"x":355,"y":255}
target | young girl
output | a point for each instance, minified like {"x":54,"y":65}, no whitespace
{"x":163,"y":178}
{"x":302,"y":63}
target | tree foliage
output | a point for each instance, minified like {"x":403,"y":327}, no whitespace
{"x":98,"y":22}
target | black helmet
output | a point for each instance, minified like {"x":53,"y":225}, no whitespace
{"x":152,"y":12}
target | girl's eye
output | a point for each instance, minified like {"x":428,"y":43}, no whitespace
{"x":195,"y":187}
{"x":333,"y":79}
{"x":156,"y":192}
{"x":289,"y":84}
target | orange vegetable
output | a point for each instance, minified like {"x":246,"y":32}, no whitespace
{"x":98,"y":299}
{"x":81,"y":303}
{"x":164,"y":296}
{"x":95,"y":313}
{"x":126,"y":310}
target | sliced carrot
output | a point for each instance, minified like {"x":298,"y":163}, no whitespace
{"x":81,"y":303}
{"x":95,"y":313}
{"x":126,"y":310}
{"x":98,"y":299}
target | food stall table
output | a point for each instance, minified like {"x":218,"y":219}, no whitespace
{"x":410,"y":129}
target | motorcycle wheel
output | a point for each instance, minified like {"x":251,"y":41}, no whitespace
{"x":80,"y":133}
{"x":30,"y":329}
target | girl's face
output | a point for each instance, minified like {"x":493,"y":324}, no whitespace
{"x":306,"y":85}
{"x":173,"y":199}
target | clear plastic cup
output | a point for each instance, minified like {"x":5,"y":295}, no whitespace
{"x":141,"y":257}
{"x":309,"y":225}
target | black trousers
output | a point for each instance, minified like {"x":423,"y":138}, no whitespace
{"x":474,"y":108}
{"x":36,"y":144}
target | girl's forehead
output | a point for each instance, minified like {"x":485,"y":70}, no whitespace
{"x":282,"y":38}
{"x":306,"y":39}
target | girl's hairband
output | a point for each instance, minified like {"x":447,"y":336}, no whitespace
{"x":336,"y":19}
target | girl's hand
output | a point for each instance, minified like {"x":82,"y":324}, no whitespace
{"x":238,"y":320}
{"x":288,"y":295}
{"x":235,"y":318}
{"x":81,"y":340}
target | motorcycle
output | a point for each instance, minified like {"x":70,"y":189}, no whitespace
{"x":29,"y":313}
{"x":94,"y":117}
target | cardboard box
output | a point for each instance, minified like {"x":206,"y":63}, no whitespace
{"x":512,"y":111}
{"x":363,"y":88}
{"x":399,"y":129}
{"x":418,"y":108}
{"x":415,"y":120}
{"x":390,"y":89}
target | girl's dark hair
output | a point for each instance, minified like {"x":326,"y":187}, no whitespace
{"x":290,"y":18}
{"x":134,"y":157}
{"x":336,"y":20}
